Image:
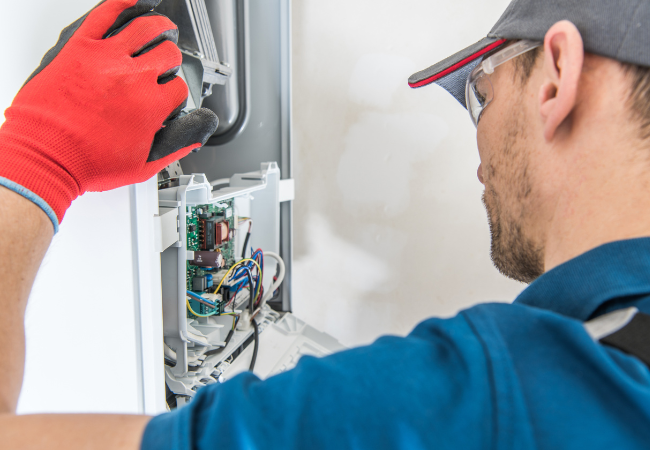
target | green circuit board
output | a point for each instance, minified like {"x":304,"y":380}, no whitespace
{"x":226,"y":210}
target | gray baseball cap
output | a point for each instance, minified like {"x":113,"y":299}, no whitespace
{"x":617,"y":29}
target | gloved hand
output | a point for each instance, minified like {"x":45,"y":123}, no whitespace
{"x":100,"y":111}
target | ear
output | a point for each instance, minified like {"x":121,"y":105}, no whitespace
{"x":563,"y":58}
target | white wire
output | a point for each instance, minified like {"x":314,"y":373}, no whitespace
{"x":220,"y":181}
{"x":276,"y":284}
{"x":171,"y":354}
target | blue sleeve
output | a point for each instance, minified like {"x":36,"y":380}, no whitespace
{"x":429,"y":390}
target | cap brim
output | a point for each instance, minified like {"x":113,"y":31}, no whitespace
{"x":451,"y":73}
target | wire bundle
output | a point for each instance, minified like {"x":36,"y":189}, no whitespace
{"x":248,"y":263}
{"x":247,"y":273}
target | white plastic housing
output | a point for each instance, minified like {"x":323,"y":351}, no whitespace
{"x":256,"y":195}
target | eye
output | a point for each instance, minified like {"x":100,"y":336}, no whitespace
{"x":478,"y":95}
{"x":483,"y":90}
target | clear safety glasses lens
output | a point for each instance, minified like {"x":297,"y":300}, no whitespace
{"x":478,"y":93}
{"x":478,"y":89}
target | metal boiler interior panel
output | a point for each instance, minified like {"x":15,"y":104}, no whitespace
{"x":261,"y":137}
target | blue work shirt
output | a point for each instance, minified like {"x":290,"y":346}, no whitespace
{"x":504,"y":376}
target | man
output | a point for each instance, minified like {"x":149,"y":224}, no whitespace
{"x":560,"y":94}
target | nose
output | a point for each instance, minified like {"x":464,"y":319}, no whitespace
{"x":479,"y":172}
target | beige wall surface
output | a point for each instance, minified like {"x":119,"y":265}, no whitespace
{"x":389,"y":224}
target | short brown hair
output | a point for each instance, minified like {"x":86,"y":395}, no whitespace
{"x":525,"y":63}
{"x":639,"y":98}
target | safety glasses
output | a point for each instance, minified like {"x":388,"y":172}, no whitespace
{"x":478,"y":90}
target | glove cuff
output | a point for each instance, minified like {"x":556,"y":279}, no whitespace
{"x":29,"y":195}
{"x":26,"y":169}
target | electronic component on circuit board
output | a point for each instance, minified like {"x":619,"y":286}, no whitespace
{"x":222,"y":233}
{"x":207,"y":233}
{"x":208,"y":259}
{"x":202,"y":283}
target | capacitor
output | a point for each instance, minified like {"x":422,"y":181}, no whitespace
{"x":208,"y":259}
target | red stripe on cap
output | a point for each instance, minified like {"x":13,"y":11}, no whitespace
{"x":458,"y":65}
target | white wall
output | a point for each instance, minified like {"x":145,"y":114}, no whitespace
{"x":389,"y":225}
{"x":80,"y":326}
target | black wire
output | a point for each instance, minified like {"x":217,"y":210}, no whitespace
{"x":243,"y":251}
{"x":251,"y":284}
{"x":229,"y":337}
{"x":256,"y":345}
{"x":220,"y":349}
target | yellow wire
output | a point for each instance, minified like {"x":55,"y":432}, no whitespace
{"x":221,"y":282}
{"x":235,"y":267}
{"x":197,"y":314}
{"x":187,"y":299}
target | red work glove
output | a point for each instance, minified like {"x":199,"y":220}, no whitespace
{"x":101,"y":110}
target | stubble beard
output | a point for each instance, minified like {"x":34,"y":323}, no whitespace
{"x":514,"y":252}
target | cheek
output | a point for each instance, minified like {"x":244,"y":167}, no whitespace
{"x":488,"y":140}
{"x":485,"y":152}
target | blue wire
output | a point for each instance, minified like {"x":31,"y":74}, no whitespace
{"x":253,"y":290}
{"x":237,"y":272}
{"x":247,"y":266}
{"x":195,"y":295}
{"x":254,"y":256}
{"x":239,"y":280}
{"x":240,"y":277}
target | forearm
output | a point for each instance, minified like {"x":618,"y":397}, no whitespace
{"x":26,"y":234}
{"x":101,"y":111}
{"x":72,"y":431}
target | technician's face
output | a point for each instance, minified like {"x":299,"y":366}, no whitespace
{"x":510,"y":197}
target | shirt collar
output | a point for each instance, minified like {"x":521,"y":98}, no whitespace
{"x":580,"y":286}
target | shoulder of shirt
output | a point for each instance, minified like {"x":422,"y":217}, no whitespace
{"x":485,"y":318}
